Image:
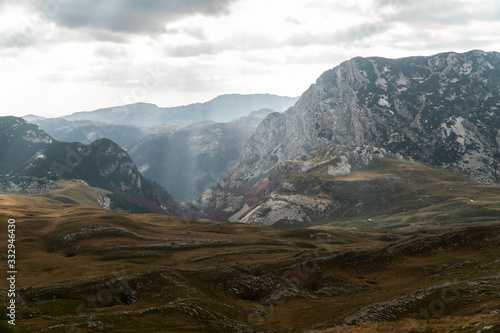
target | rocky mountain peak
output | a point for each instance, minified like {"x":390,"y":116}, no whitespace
{"x":441,"y":110}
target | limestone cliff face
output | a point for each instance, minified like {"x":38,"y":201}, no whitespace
{"x":442,"y":110}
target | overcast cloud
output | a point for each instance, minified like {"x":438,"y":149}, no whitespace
{"x":63,"y":56}
{"x":128,"y":16}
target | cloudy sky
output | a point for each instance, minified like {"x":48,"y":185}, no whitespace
{"x":62,"y":56}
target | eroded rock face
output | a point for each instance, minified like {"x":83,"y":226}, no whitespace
{"x":441,"y":110}
{"x":27,"y":185}
{"x":287,"y":206}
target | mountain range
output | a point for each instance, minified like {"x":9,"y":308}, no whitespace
{"x":220,"y":109}
{"x":189,"y":160}
{"x":184,"y":160}
{"x":126,"y":125}
{"x":33,"y":160}
{"x":440,"y":110}
{"x":87,"y":131}
{"x":369,"y":205}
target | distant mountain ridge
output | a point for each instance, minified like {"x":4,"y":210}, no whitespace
{"x":189,"y":160}
{"x":87,"y":131}
{"x":184,"y":159}
{"x":27,"y":152}
{"x":220,"y":109}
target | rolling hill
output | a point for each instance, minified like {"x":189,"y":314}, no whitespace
{"x":86,"y":269}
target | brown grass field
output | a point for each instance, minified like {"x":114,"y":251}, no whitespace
{"x":84,"y":269}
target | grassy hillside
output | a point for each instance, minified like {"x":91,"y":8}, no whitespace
{"x":73,"y":193}
{"x":395,"y":194}
{"x":83,"y":269}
